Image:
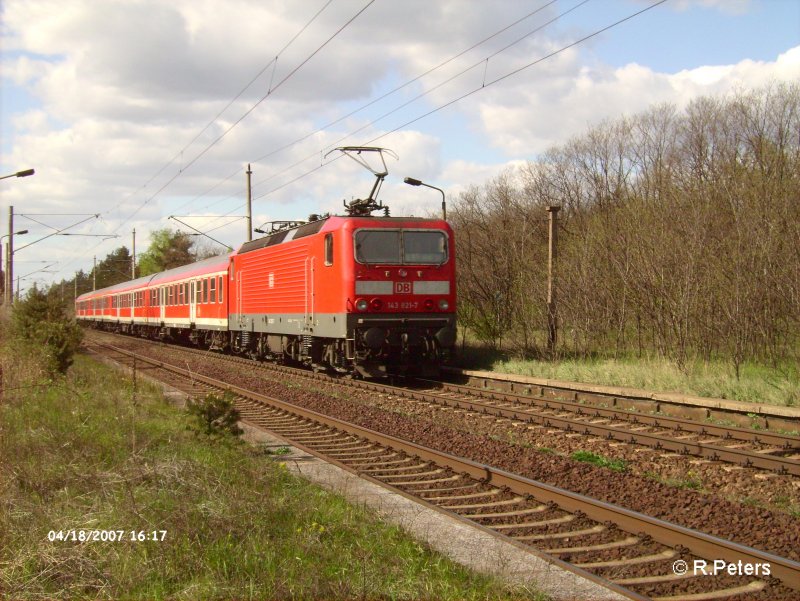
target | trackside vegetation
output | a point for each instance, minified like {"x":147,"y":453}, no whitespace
{"x":714,"y":378}
{"x":678,"y":242}
{"x":84,"y":452}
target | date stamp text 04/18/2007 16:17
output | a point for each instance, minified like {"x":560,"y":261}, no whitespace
{"x":84,"y":536}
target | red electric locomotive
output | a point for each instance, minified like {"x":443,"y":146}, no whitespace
{"x":352,"y":293}
{"x":370,"y":294}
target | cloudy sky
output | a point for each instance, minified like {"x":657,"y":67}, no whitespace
{"x":141,"y":109}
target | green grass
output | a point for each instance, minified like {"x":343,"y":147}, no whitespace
{"x":757,"y":383}
{"x":617,"y":465}
{"x":78,"y":455}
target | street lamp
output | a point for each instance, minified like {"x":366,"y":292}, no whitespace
{"x":10,"y":250}
{"x":8,"y":281}
{"x":415,"y":182}
{"x":24,"y":173}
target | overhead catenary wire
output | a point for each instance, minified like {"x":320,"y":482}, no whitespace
{"x":401,"y":106}
{"x":481,"y":87}
{"x":270,"y":91}
{"x":273,"y":62}
{"x":246,"y":113}
{"x":389,"y":93}
{"x":412,"y":100}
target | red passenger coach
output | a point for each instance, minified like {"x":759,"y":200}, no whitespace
{"x":188,"y":302}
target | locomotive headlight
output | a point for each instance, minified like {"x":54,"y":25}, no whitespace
{"x":362,"y":304}
{"x":443,"y":304}
{"x":428,"y":304}
{"x":376,"y":304}
{"x":402,"y":273}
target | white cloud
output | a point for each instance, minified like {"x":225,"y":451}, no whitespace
{"x":121,"y":87}
{"x":525,"y":119}
{"x":731,"y":7}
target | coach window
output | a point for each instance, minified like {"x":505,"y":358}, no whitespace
{"x":205,"y":290}
{"x":186,"y":293}
{"x":329,"y":249}
{"x":219,"y":290}
{"x":213,"y":292}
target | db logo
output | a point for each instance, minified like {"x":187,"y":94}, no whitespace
{"x":402,"y":287}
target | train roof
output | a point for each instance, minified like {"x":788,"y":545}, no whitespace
{"x":121,"y":287}
{"x":326,"y":224}
{"x":211,"y":265}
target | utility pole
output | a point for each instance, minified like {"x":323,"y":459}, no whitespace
{"x":10,"y":258}
{"x":133,"y":256}
{"x":94,"y":274}
{"x":552,"y":253}
{"x":249,"y":205}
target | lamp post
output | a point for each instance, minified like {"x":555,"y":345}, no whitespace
{"x":415,"y":182}
{"x":9,"y":280}
{"x":24,"y":173}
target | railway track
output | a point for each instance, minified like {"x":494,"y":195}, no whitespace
{"x":741,"y":446}
{"x":779,"y":453}
{"x":748,"y":415}
{"x":614,"y":544}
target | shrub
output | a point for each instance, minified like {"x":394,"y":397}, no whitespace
{"x":43,"y":320}
{"x":215,"y":415}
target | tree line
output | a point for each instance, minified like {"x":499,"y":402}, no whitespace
{"x":167,"y":249}
{"x":679,"y":237}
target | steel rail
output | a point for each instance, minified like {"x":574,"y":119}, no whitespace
{"x":783,"y":465}
{"x":769,"y":415}
{"x":330,"y":423}
{"x":743,"y":457}
{"x":701,"y":544}
{"x":783,"y":441}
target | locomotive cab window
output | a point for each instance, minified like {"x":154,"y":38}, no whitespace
{"x":424,"y":247}
{"x":408,"y":247}
{"x":377,"y":246}
{"x":329,"y":249}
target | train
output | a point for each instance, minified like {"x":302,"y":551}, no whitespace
{"x":357,"y":294}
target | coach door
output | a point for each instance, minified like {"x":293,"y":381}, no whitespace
{"x":192,"y":301}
